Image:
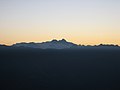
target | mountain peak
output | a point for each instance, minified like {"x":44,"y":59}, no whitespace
{"x":54,"y":40}
{"x":54,"y":44}
{"x":63,"y":40}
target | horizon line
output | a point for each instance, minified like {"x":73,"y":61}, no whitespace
{"x":60,"y":40}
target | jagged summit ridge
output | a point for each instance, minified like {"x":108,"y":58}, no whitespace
{"x":54,"y":44}
{"x":62,"y":40}
{"x":61,"y":44}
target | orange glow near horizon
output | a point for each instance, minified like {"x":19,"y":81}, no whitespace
{"x":88,"y":22}
{"x":77,"y":40}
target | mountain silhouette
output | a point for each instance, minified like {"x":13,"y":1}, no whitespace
{"x":1,"y":46}
{"x":59,"y":64}
{"x":59,"y":44}
{"x":54,"y":44}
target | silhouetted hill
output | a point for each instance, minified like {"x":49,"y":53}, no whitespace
{"x":3,"y":46}
{"x":54,"y":44}
{"x":61,"y":44}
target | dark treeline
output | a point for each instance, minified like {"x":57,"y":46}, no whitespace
{"x":37,"y":69}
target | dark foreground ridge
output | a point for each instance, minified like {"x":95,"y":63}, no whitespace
{"x":64,"y":69}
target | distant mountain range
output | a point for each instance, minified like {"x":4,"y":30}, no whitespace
{"x":58,"y":44}
{"x":54,"y":44}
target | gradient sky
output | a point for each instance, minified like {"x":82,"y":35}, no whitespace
{"x":79,"y":21}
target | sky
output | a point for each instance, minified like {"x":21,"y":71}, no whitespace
{"x":88,"y":22}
